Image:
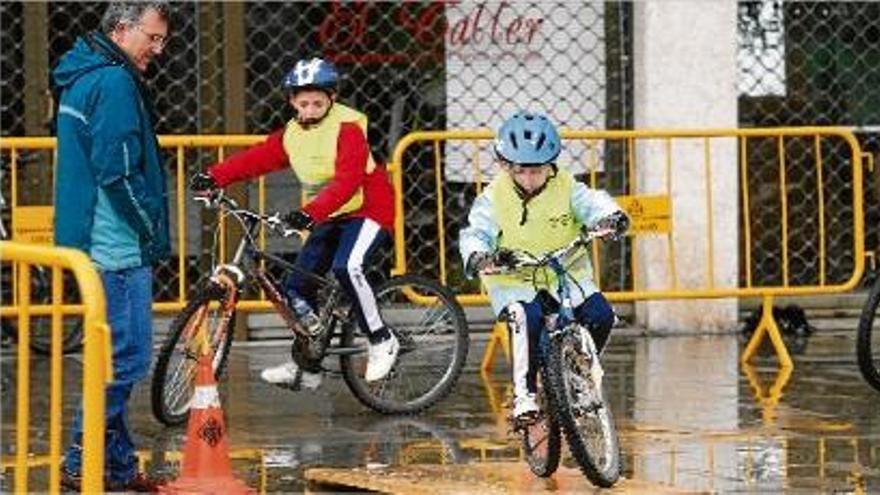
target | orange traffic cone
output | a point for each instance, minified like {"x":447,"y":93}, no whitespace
{"x":206,"y":466}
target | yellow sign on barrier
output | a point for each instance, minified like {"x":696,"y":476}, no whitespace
{"x":33,"y":224}
{"x":649,"y":214}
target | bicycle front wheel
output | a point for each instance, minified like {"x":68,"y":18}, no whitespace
{"x":868,"y":340}
{"x":541,"y":440}
{"x":584,"y":414}
{"x":175,"y":372}
{"x":432,"y":331}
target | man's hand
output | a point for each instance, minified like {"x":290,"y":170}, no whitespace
{"x":202,"y":184}
{"x":299,"y":220}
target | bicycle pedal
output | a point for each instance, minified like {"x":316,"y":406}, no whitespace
{"x":521,"y":423}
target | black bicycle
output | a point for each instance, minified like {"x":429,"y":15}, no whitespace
{"x":570,"y":383}
{"x":868,"y":340}
{"x":424,"y":316}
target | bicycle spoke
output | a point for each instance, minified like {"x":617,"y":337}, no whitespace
{"x":433,"y":345}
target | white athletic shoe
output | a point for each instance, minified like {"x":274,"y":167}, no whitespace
{"x":289,"y":375}
{"x":525,"y":406}
{"x":381,"y":358}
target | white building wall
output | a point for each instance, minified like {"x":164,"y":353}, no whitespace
{"x":685,"y":77}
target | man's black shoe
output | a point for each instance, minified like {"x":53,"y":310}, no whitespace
{"x":140,"y":483}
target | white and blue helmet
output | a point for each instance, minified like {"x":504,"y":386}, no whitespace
{"x":311,"y":73}
{"x":528,"y":139}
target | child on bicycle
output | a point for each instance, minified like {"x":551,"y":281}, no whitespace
{"x":349,"y":208}
{"x":536,"y":207}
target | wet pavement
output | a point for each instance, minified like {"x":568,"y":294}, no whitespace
{"x":691,"y":419}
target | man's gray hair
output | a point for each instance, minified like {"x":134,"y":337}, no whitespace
{"x":130,"y":13}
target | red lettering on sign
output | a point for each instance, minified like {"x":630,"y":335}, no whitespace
{"x":346,"y":37}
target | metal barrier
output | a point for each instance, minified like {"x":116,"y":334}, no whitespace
{"x":97,"y":360}
{"x":762,"y":149}
{"x":182,"y":147}
{"x":824,"y":147}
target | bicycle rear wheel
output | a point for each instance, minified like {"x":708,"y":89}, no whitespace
{"x":433,"y":335}
{"x":582,"y":410}
{"x":542,"y":440}
{"x":868,"y":339}
{"x":174,"y":375}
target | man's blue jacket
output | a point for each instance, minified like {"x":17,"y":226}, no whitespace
{"x":110,"y":186}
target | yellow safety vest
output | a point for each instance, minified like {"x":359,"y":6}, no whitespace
{"x":550,"y":224}
{"x":312,"y":152}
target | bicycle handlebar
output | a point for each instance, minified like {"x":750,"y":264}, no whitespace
{"x":524,"y":259}
{"x":217,"y":199}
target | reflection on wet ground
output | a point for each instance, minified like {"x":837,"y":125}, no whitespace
{"x":690,"y":418}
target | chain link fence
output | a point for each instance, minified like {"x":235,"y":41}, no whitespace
{"x":809,"y":63}
{"x":437,"y":65}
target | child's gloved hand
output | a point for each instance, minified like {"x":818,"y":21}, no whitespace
{"x":506,"y":258}
{"x":202,"y":184}
{"x":299,"y":220}
{"x":616,"y":224}
{"x":478,"y":262}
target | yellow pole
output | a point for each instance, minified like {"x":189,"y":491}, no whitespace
{"x":710,"y":213}
{"x":783,"y":196}
{"x":441,"y":224}
{"x":747,"y":227}
{"x":181,"y":227}
{"x":55,"y":384}
{"x":24,"y":379}
{"x":820,"y":189}
{"x":670,"y":236}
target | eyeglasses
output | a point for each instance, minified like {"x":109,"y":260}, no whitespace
{"x":156,"y":40}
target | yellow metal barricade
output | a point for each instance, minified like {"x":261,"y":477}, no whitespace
{"x":653,"y":213}
{"x":182,"y":148}
{"x":97,"y":360}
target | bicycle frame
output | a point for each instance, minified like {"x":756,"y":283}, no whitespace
{"x":565,"y":315}
{"x":231,"y":276}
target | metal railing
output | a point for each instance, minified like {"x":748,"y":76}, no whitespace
{"x":97,"y":360}
{"x":821,"y":148}
{"x":182,"y":148}
{"x":826,"y":152}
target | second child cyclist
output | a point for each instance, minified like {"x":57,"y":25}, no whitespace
{"x":534,"y":206}
{"x":349,"y":205}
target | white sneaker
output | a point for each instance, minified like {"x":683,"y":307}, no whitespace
{"x":525,"y":405}
{"x":289,"y":375}
{"x":381,"y":358}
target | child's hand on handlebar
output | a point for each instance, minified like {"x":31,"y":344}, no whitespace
{"x":299,"y":220}
{"x":203,"y":184}
{"x":502,"y":260}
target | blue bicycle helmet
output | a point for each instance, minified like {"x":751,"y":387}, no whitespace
{"x":528,"y":139}
{"x":311,"y":73}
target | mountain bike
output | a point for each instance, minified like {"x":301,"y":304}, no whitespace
{"x":424,"y":316}
{"x":570,"y":385}
{"x":868,"y":340}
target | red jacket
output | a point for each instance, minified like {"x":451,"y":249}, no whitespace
{"x":351,"y":161}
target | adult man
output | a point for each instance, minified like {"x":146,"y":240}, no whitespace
{"x":111,"y":202}
{"x":350,"y":209}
